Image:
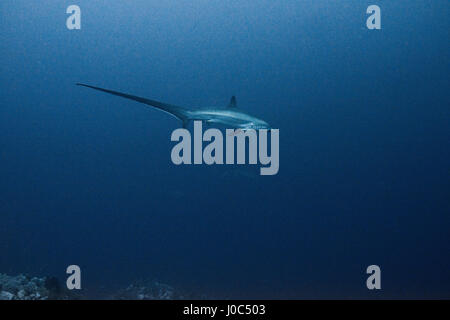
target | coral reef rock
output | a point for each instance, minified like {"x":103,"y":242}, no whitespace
{"x":23,"y":287}
{"x":148,"y":290}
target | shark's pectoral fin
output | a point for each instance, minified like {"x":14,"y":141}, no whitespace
{"x":236,"y":132}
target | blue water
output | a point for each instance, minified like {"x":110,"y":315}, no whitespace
{"x":86,"y":178}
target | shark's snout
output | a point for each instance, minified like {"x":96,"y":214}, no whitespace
{"x":260,"y":125}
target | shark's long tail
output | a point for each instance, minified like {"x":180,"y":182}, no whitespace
{"x":179,"y":112}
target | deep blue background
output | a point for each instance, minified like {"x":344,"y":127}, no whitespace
{"x":86,"y":178}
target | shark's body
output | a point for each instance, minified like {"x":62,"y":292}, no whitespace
{"x":230,"y":117}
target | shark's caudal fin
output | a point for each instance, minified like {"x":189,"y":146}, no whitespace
{"x":232,"y":103}
{"x":179,"y":112}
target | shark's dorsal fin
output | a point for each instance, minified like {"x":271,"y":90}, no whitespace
{"x":232,"y":103}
